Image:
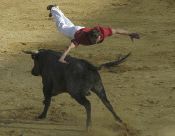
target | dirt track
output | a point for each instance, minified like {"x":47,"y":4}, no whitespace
{"x":142,"y":90}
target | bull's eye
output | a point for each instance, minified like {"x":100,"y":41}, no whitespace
{"x":33,"y":56}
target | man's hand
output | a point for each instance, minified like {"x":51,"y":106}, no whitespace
{"x":134,"y":36}
{"x":63,"y":61}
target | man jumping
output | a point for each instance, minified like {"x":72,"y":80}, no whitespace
{"x":83,"y":35}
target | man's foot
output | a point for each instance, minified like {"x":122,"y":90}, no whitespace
{"x":50,"y":14}
{"x":49,"y":7}
{"x":63,"y":61}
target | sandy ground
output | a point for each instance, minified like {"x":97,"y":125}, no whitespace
{"x":142,"y":90}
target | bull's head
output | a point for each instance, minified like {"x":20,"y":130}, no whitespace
{"x":35,"y":56}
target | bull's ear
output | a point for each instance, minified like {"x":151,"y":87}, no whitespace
{"x":34,"y":56}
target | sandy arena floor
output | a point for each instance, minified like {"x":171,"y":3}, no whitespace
{"x":142,"y":90}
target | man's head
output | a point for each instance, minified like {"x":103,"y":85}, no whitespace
{"x":94,"y":36}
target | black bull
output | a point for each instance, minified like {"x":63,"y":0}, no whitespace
{"x":77,"y":78}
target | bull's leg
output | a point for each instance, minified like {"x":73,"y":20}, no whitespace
{"x":85,"y":102}
{"x":46,"y":102}
{"x":46,"y":107}
{"x":102,"y":95}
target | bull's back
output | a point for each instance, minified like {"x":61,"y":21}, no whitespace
{"x":78,"y":72}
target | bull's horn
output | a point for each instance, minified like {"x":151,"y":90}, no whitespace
{"x":31,"y":52}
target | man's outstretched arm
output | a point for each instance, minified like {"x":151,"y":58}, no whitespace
{"x":125,"y":32}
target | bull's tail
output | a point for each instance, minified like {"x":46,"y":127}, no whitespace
{"x":120,"y":60}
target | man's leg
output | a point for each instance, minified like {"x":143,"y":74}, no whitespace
{"x":63,"y":24}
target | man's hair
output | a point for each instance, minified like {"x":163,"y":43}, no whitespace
{"x":93,"y":35}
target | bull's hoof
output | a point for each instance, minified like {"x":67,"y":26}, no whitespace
{"x":88,"y":129}
{"x":88,"y":93}
{"x":42,"y":116}
{"x":123,"y":126}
